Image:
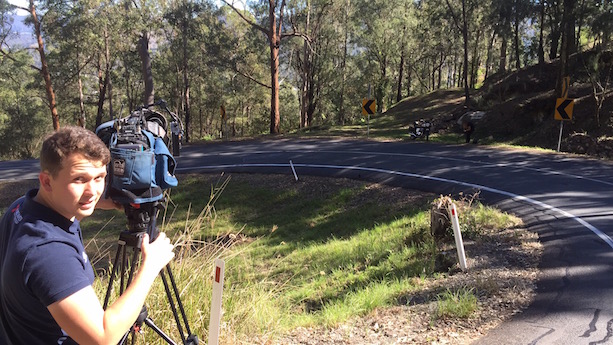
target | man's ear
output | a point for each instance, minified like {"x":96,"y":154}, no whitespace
{"x":44,"y":178}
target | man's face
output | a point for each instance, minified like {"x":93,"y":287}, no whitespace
{"x":77,"y":187}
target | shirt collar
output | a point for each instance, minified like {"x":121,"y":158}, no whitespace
{"x":47,"y":214}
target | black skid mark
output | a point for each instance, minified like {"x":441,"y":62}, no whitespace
{"x":592,"y":324}
{"x":608,"y":336}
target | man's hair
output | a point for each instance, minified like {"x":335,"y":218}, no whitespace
{"x":68,"y":140}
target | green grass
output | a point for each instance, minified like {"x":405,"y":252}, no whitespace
{"x":459,"y":304}
{"x":310,"y":253}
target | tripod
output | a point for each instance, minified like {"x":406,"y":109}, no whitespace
{"x":141,"y":220}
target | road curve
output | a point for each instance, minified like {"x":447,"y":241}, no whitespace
{"x":567,"y":200}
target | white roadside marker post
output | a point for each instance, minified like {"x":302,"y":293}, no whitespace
{"x":293,"y":170}
{"x":455,"y":223}
{"x":215,"y":320}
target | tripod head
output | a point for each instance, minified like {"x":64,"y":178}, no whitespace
{"x":142,"y":218}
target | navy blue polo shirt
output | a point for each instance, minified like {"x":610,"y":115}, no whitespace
{"x":42,"y":260}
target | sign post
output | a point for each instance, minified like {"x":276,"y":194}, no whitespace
{"x":564,"y":108}
{"x":369,"y":106}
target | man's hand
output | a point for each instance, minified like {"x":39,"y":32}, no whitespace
{"x":156,"y":254}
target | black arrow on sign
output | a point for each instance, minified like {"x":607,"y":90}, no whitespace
{"x":367,"y":106}
{"x":562,"y":109}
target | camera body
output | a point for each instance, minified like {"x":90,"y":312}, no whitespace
{"x":141,"y":165}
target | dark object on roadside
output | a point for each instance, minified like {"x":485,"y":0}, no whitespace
{"x":468,"y":127}
{"x":420,"y":129}
{"x":440,"y":224}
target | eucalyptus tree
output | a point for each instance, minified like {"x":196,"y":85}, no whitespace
{"x":22,"y":119}
{"x":379,"y":23}
{"x":34,"y":20}
{"x":313,"y":56}
{"x":554,"y":19}
{"x":270,"y":18}
{"x":184,"y":18}
{"x":6,"y":22}
{"x":461,"y":18}
{"x":601,"y":24}
{"x":73,"y":34}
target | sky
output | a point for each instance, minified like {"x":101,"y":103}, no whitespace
{"x":22,"y":3}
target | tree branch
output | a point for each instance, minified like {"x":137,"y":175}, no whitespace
{"x":247,"y":20}
{"x":453,"y":15}
{"x":251,"y":78}
{"x":8,"y":56}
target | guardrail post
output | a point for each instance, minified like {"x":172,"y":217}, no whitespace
{"x":215,"y":321}
{"x":455,"y":223}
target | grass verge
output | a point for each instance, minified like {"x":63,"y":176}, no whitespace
{"x":310,"y":253}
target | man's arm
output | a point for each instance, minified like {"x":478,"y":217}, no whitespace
{"x":81,"y":316}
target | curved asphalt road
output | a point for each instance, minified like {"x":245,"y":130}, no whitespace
{"x":568,"y":201}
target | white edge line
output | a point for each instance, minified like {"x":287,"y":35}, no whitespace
{"x":513,"y":196}
{"x":442,"y":158}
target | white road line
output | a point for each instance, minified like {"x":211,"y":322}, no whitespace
{"x":513,"y":196}
{"x":481,"y":164}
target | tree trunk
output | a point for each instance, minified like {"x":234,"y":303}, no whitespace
{"x":568,"y":42}
{"x":465,"y":37}
{"x":516,"y":37}
{"x":433,"y":74}
{"x":110,"y":87}
{"x":109,"y":81}
{"x":103,"y":82}
{"x":381,"y":88}
{"x":341,"y":112}
{"x":488,"y":59}
{"x":541,"y":50}
{"x":45,"y":69}
{"x":82,"y":118}
{"x":147,"y":75}
{"x":581,"y":14}
{"x":275,"y":43}
{"x":305,"y":72}
{"x":186,"y":86}
{"x":502,"y":66}
{"x":555,"y":30}
{"x":474,"y":66}
{"x":569,"y":26}
{"x":409,"y":76}
{"x":400,"y":73}
{"x":440,"y":69}
{"x":274,"y":76}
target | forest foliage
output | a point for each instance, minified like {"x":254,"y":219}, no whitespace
{"x":214,"y":61}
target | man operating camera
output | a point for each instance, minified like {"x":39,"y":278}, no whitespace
{"x":46,"y":293}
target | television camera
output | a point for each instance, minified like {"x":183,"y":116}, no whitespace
{"x":141,"y":168}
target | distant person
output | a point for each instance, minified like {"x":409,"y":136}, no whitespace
{"x":468,"y":127}
{"x":46,"y":293}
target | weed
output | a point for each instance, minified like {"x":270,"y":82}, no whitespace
{"x":459,"y":304}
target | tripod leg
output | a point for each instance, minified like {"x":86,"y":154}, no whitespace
{"x":179,"y":303}
{"x":172,"y":305}
{"x":149,"y":322}
{"x":120,"y":248}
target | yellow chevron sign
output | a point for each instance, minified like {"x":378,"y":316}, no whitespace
{"x":369,"y":106}
{"x":564,"y":109}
